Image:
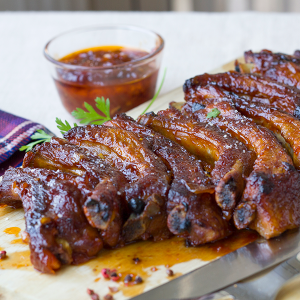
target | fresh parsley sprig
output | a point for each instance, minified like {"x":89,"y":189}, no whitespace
{"x":64,"y":127}
{"x":40,"y":136}
{"x":91,"y":116}
{"x":157,"y":93}
{"x":213,"y":113}
{"x":86,"y":117}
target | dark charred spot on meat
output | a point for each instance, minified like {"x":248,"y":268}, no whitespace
{"x":150,"y":113}
{"x":178,"y":220}
{"x":136,"y":205}
{"x":186,"y":206}
{"x":237,"y":66}
{"x":98,"y":207}
{"x":297,"y":112}
{"x":197,"y":106}
{"x":265,"y":184}
{"x":288,"y":167}
{"x":229,"y":188}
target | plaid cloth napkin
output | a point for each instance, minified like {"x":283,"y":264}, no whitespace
{"x":14,"y":133}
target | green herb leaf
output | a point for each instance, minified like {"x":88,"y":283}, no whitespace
{"x":213,"y":113}
{"x":157,"y":93}
{"x":63,"y":127}
{"x":91,"y":116}
{"x":40,"y":136}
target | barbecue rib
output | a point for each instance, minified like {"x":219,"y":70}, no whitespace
{"x":192,"y":212}
{"x":230,"y":160}
{"x":55,"y":223}
{"x":276,"y":66}
{"x":270,"y":203}
{"x":251,"y":86}
{"x":103,"y":186}
{"x":284,"y":126}
{"x":148,"y":176}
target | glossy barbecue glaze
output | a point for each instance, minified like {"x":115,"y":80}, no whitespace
{"x":57,"y":230}
{"x":149,"y":179}
{"x":270,"y":202}
{"x":284,"y":126}
{"x":231,"y":161}
{"x":262,"y":89}
{"x":192,"y":212}
{"x":279,"y":67}
{"x":102,"y":185}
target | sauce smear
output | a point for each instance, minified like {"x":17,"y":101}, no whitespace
{"x":126,"y":86}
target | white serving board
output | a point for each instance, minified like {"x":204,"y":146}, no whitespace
{"x":18,"y":279}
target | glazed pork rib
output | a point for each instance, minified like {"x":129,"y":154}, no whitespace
{"x":192,"y":212}
{"x":279,"y":67}
{"x":251,"y":86}
{"x":56,"y":227}
{"x":230,"y":160}
{"x":270,"y":203}
{"x":148,"y":176}
{"x":103,"y":186}
{"x":284,"y":126}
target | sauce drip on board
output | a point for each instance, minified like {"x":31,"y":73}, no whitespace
{"x":13,"y":230}
{"x":153,"y":257}
{"x":126,"y":86}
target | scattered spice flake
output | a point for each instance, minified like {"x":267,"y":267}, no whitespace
{"x":128,"y":278}
{"x":114,"y":276}
{"x":108,"y":297}
{"x":138,"y":280}
{"x":136,"y":260}
{"x":2,"y":254}
{"x":113,"y":289}
{"x":170,"y":272}
{"x":97,"y":279}
{"x":92,"y":294}
{"x":105,"y":273}
{"x":154,"y":269}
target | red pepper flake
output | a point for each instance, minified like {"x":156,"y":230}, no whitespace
{"x":2,"y":254}
{"x":114,"y":276}
{"x":170,"y":272}
{"x":136,"y":260}
{"x":105,"y":273}
{"x":92,"y":294}
{"x":108,"y":297}
{"x":113,"y":289}
{"x":154,"y":269}
{"x":138,"y":279}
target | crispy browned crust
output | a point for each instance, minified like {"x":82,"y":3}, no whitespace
{"x":283,"y":125}
{"x":189,"y":198}
{"x":230,"y":160}
{"x":58,"y":230}
{"x":103,"y":186}
{"x":279,"y":67}
{"x":270,"y":203}
{"x":264,"y":90}
{"x":148,"y":176}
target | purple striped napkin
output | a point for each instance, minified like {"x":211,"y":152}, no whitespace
{"x":14,"y":133}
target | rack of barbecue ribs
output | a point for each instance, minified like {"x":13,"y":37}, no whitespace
{"x":279,"y":67}
{"x":227,"y":158}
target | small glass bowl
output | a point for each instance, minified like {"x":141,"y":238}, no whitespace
{"x":127,"y":85}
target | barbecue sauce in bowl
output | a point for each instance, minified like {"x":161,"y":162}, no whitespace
{"x":119,"y":73}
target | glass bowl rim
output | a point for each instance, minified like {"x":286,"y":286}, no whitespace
{"x":89,"y":28}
